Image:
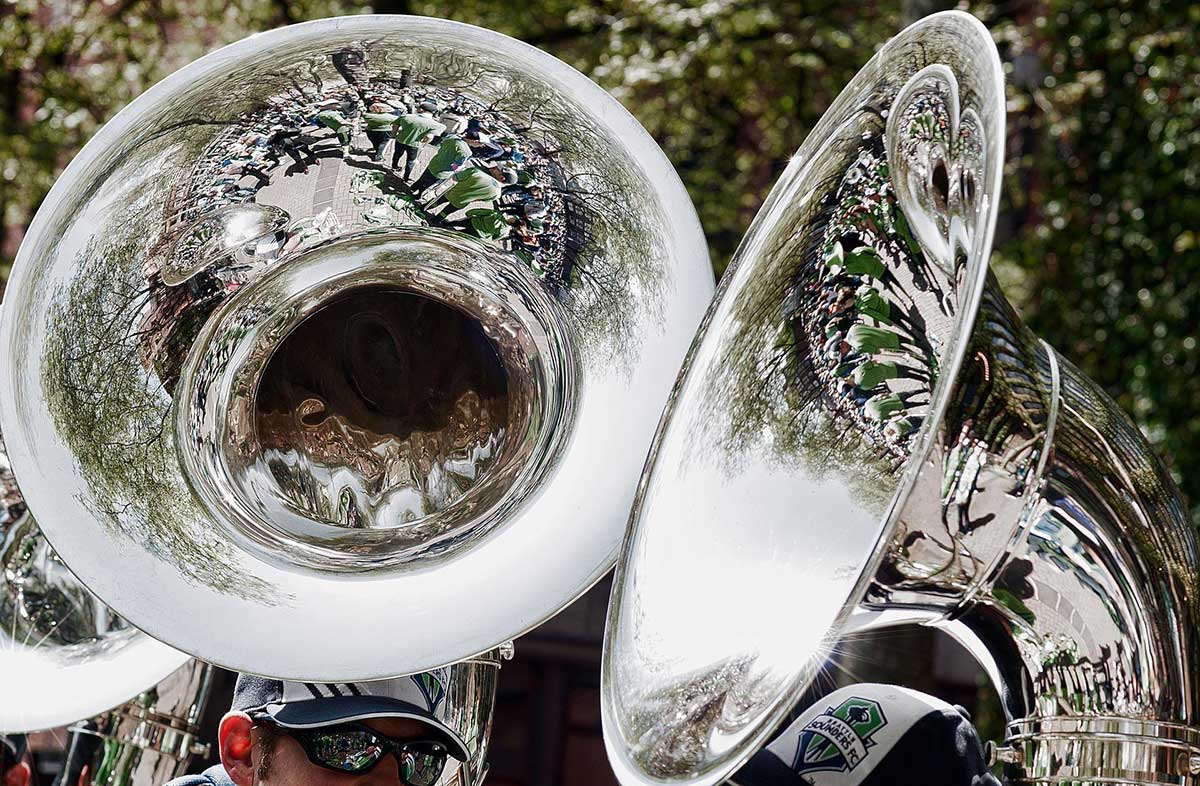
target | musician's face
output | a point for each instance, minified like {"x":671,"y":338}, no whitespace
{"x":289,"y":766}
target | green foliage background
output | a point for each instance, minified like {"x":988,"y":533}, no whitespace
{"x":1099,"y":241}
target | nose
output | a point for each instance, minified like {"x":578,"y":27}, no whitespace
{"x":385,"y":773}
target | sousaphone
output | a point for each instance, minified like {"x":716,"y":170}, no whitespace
{"x":335,"y":355}
{"x":66,"y":658}
{"x":866,"y":435}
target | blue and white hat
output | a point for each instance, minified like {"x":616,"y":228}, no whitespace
{"x":309,"y":705}
{"x":873,"y":735}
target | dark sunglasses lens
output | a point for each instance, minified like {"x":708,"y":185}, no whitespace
{"x":421,"y":766}
{"x":349,"y":751}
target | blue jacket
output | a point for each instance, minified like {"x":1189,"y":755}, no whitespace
{"x":213,"y":776}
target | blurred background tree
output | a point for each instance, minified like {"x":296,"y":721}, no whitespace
{"x":1099,"y":240}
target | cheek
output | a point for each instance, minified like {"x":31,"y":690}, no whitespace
{"x":290,"y":767}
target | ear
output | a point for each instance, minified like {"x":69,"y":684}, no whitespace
{"x":234,"y":738}
{"x":18,"y":775}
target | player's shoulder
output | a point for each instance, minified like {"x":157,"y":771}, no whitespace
{"x":213,"y":776}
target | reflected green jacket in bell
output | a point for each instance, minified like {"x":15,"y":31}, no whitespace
{"x":871,"y":374}
{"x":331,"y":118}
{"x":883,"y":406}
{"x":379,"y":121}
{"x":489,"y":224}
{"x":870,"y":340}
{"x":411,"y":129}
{"x":474,"y":185}
{"x":450,"y":156}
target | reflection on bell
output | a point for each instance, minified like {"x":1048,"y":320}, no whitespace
{"x":357,"y":334}
{"x":866,"y":435}
{"x":417,"y":379}
{"x":55,"y":634}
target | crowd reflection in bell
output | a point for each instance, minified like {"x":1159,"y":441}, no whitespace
{"x":378,"y":148}
{"x":420,"y":154}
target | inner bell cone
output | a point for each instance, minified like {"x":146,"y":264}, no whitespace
{"x":381,"y":408}
{"x":379,"y":400}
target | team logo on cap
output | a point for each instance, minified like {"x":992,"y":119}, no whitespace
{"x":432,"y":685}
{"x":838,"y":739}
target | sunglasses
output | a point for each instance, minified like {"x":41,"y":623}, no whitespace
{"x":355,"y":749}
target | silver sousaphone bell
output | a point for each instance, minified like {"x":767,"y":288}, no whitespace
{"x":54,"y":633}
{"x":66,"y":658}
{"x":866,"y":435}
{"x":336,"y":354}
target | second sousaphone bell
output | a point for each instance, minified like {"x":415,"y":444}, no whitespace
{"x":866,"y":435}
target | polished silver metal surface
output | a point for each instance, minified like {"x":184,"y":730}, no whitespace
{"x":352,"y":335}
{"x":268,"y":463}
{"x":468,"y":708}
{"x":865,"y":435}
{"x":150,"y":739}
{"x":64,"y":655}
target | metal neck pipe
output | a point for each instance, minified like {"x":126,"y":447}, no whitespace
{"x":150,"y":739}
{"x":1059,"y":550}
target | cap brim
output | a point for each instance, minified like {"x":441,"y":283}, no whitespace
{"x":315,"y":713}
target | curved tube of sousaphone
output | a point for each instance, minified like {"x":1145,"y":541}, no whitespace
{"x":66,"y":658}
{"x":146,"y":741}
{"x":866,"y":435}
{"x":64,"y":655}
{"x":1059,"y":550}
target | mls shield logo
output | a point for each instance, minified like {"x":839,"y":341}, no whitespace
{"x":837,"y":740}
